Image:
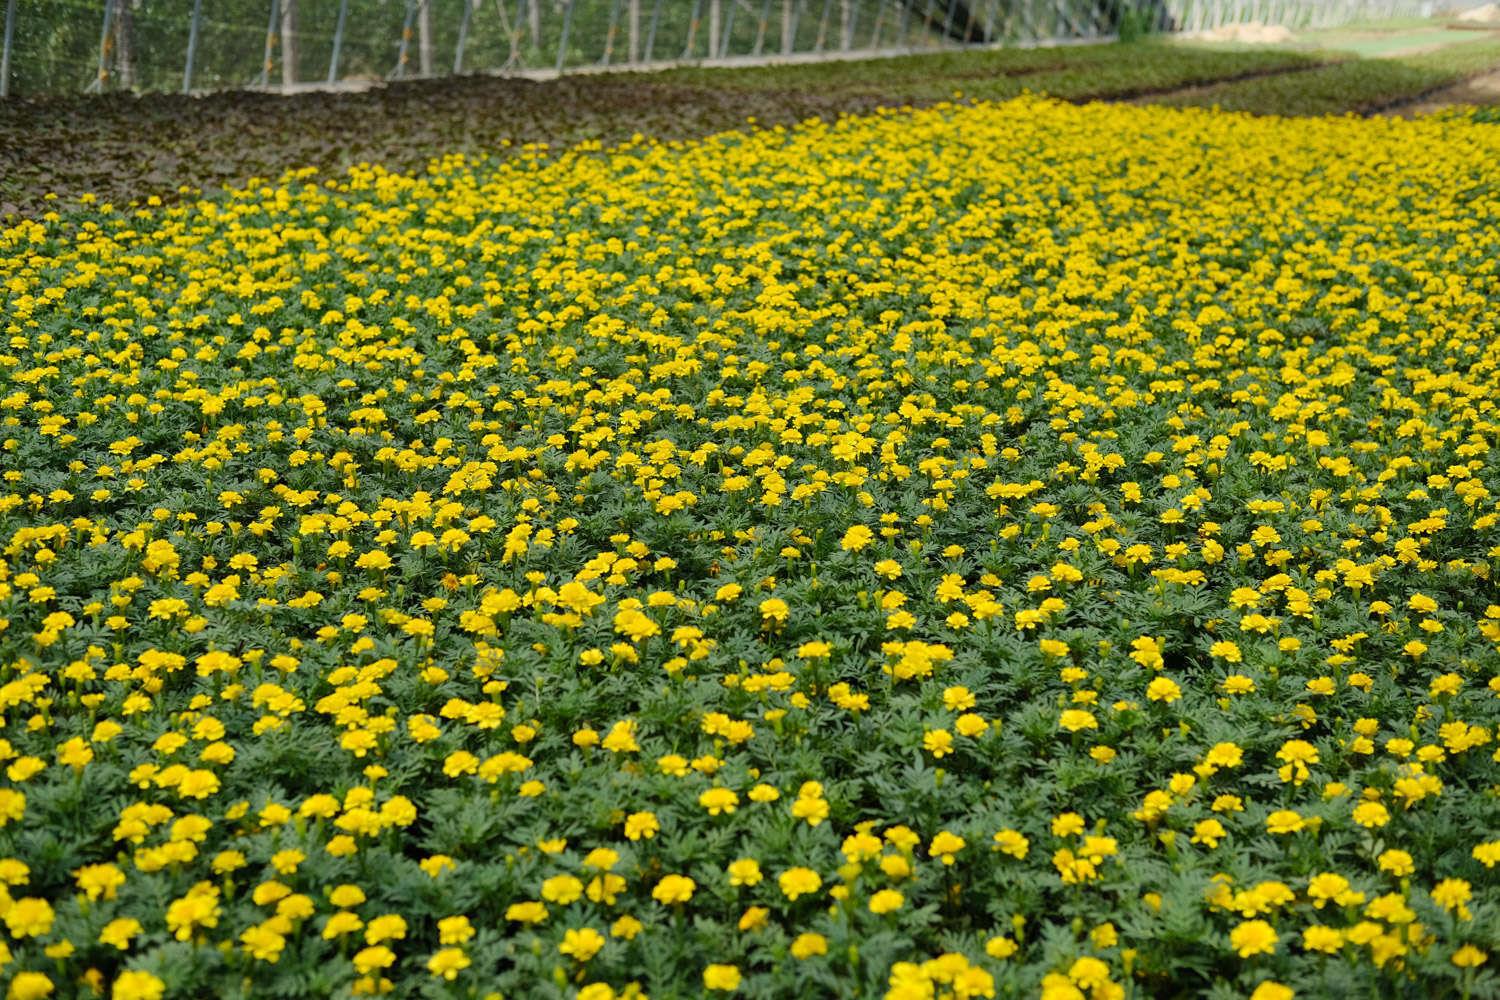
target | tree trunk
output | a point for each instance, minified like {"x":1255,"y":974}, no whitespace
{"x":124,"y":44}
{"x":713,"y":28}
{"x":288,"y":42}
{"x":634,"y":30}
{"x":788,"y":28}
{"x":424,"y":37}
{"x":534,"y":13}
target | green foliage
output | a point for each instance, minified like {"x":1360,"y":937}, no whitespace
{"x":1360,"y":86}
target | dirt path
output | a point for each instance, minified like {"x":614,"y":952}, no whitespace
{"x":1482,"y":90}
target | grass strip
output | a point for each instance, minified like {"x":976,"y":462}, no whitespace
{"x":1361,"y":86}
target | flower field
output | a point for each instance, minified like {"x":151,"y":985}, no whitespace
{"x":989,"y":550}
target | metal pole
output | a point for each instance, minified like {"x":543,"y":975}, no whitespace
{"x":727,"y":31}
{"x":692,"y":35}
{"x":609,"y":37}
{"x":875,"y":31}
{"x":562,"y":42}
{"x":463,"y":36}
{"x":265,"y":64}
{"x":411,"y":11}
{"x":338,"y":42}
{"x":98,"y":85}
{"x":822,"y":26}
{"x":10,"y":34}
{"x":760,"y":29}
{"x":1065,"y":22}
{"x":651,"y":31}
{"x":516,"y":31}
{"x":991,"y":18}
{"x":187,"y":69}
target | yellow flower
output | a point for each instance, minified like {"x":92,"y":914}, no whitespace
{"x":1076,"y":719}
{"x":119,"y":932}
{"x":29,"y":986}
{"x":374,"y":958}
{"x":724,"y":978}
{"x":945,"y":845}
{"x":1396,"y":862}
{"x":1371,"y":815}
{"x":744,"y":872}
{"x":856,"y":538}
{"x":1253,"y":937}
{"x":526,"y":912}
{"x":1469,"y":957}
{"x":795,"y":882}
{"x":808,"y":945}
{"x":774,"y":610}
{"x":674,"y":889}
{"x":581,"y":944}
{"x":390,"y":927}
{"x":1284,"y":821}
{"x":718,"y":800}
{"x":1327,"y":940}
{"x":938,"y":742}
{"x":886,"y":901}
{"x":1163,"y":689}
{"x":641,"y":825}
{"x":447,"y":963}
{"x":134,"y":984}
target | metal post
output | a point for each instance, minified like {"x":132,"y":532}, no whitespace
{"x":517,"y":29}
{"x":411,"y":12}
{"x":692,"y":35}
{"x":822,"y":26}
{"x":727,"y":31}
{"x":562,"y":42}
{"x":338,"y":42}
{"x":187,"y":69}
{"x":609,"y":36}
{"x":760,"y":29}
{"x":271,"y":25}
{"x":875,"y":32}
{"x":1065,"y":22}
{"x":463,"y":36}
{"x":651,"y":31}
{"x":10,"y":34}
{"x":98,"y":85}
